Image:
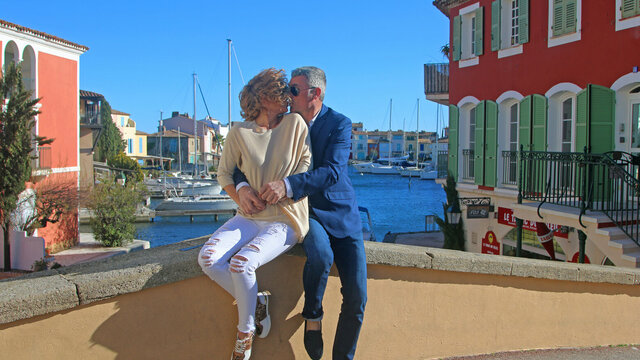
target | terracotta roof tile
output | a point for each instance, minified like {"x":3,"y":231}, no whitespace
{"x":116,"y":112}
{"x":90,"y":94}
{"x":42,"y":35}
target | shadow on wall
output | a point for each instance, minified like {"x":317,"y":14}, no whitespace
{"x":156,"y":328}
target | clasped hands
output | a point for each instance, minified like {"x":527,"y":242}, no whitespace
{"x":252,"y":202}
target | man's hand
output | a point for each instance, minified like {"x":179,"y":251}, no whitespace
{"x":274,"y":191}
{"x":250,"y":203}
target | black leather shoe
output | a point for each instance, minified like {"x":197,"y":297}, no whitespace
{"x":313,"y":342}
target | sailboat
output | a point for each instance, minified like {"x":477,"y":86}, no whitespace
{"x":414,"y":171}
{"x":390,"y":169}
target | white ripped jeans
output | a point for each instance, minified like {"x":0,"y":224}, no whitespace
{"x":233,"y":253}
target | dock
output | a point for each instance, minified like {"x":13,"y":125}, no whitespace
{"x":192,"y":213}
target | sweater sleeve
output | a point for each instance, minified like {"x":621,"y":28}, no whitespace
{"x":303,"y":148}
{"x":229,"y":160}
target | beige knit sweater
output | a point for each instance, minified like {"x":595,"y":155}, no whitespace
{"x":266,"y":155}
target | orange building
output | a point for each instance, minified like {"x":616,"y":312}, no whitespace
{"x":51,"y":69}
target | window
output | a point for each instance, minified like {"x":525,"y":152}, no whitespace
{"x":635,"y":118}
{"x":627,"y":12}
{"x":511,"y":173}
{"x":629,"y":8}
{"x":468,"y":33}
{"x":567,"y":124}
{"x":130,"y":146}
{"x":121,"y":121}
{"x":509,"y":26}
{"x":472,"y":143}
{"x":140,"y":145}
{"x":565,"y":18}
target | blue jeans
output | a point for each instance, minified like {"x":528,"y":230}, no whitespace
{"x":322,"y":250}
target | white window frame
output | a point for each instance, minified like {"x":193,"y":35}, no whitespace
{"x":633,"y":99}
{"x":623,"y":24}
{"x":572,"y":146}
{"x":467,"y":57}
{"x":566,"y":38}
{"x":506,"y":49}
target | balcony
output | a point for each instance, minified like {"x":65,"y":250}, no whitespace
{"x":443,"y":164}
{"x":157,"y":304}
{"x":436,"y":82}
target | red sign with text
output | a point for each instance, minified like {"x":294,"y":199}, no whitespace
{"x":505,"y":217}
{"x":490,"y":244}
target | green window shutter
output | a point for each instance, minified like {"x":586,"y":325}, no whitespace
{"x":523,"y":22}
{"x":629,"y":8}
{"x":570,"y":16}
{"x":478,"y":151}
{"x":479,"y":27}
{"x":582,"y":120}
{"x":558,"y":17}
{"x":495,"y":25}
{"x":539,"y":123}
{"x":525,"y":124}
{"x":602,"y":102}
{"x":457,"y":24}
{"x":454,"y":115}
{"x":595,"y":119}
{"x":491,"y":144}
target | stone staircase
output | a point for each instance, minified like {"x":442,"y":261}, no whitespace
{"x":600,"y":230}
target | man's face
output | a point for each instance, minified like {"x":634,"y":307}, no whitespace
{"x":302,"y":102}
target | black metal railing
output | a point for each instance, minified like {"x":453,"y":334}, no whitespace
{"x":42,"y":158}
{"x":436,"y":78}
{"x":467,"y":164}
{"x":590,"y":182}
{"x":443,"y":164}
{"x":509,"y":167}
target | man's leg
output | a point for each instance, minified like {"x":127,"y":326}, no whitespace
{"x":351,"y":262}
{"x":316,"y":269}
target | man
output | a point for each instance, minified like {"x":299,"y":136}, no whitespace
{"x":335,"y":229}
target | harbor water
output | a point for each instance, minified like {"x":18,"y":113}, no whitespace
{"x":396,"y":204}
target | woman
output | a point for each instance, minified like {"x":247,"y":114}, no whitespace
{"x":266,"y":147}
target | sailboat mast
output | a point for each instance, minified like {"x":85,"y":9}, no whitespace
{"x":195,"y":130}
{"x":390,"y":112}
{"x":179,"y":152}
{"x":229,"y":75}
{"x":418,"y":134}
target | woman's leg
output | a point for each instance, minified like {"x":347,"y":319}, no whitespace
{"x":272,"y":240}
{"x":221,"y":246}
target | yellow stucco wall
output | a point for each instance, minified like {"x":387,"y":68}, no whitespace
{"x":411,"y":314}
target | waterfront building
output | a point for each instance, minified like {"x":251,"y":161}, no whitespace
{"x":50,"y":69}
{"x":558,"y":79}
{"x":135,"y":142}
{"x":177,"y":146}
{"x":90,"y":130}
{"x":210,"y":131}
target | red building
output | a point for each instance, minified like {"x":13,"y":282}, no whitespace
{"x":50,"y":68}
{"x":560,"y":79}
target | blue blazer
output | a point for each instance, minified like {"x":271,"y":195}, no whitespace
{"x":331,"y":196}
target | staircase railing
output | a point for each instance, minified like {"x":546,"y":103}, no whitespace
{"x":591,"y":182}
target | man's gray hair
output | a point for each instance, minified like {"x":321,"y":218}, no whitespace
{"x":315,"y":77}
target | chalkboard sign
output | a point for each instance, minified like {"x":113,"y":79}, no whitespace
{"x":477,"y":211}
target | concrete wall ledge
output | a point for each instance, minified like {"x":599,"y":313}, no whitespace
{"x":68,"y":287}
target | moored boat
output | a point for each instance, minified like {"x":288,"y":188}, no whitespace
{"x":211,"y":203}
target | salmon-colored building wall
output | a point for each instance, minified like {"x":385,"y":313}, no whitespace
{"x":539,"y":67}
{"x":58,"y":90}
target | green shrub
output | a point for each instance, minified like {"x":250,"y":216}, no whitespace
{"x":122,"y":161}
{"x":114,"y":208}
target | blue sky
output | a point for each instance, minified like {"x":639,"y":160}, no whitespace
{"x":142,"y":54}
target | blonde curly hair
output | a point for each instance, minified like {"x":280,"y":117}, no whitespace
{"x":269,"y":84}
